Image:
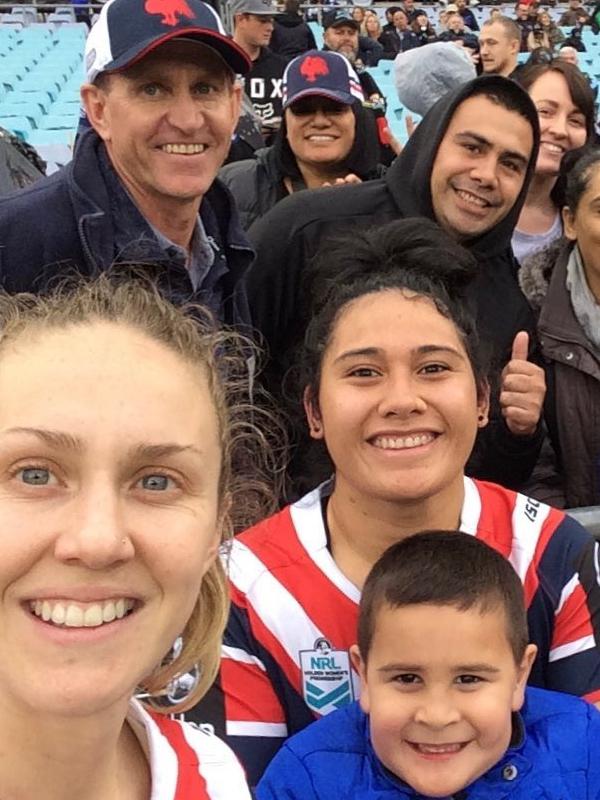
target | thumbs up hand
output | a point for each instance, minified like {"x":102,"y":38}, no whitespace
{"x":522,"y":390}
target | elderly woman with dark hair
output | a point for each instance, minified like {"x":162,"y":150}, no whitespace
{"x":326,"y":137}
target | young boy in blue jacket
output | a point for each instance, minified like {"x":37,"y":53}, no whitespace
{"x":444,"y":712}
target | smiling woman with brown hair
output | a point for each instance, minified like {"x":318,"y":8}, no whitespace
{"x":566,"y":111}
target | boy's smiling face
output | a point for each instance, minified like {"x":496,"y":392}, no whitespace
{"x":440,"y":685}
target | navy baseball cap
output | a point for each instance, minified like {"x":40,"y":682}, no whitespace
{"x":338,"y":17}
{"x":127,"y":30}
{"x":323,"y":73}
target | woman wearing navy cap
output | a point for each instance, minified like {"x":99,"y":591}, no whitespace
{"x":326,"y":137}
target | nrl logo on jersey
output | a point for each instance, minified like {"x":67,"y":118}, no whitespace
{"x":326,"y":678}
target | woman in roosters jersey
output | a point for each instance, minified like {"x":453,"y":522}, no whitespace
{"x":115,"y":492}
{"x":396,"y":391}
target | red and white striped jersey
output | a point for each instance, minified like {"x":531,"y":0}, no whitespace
{"x":294,"y":614}
{"x":186,"y":763}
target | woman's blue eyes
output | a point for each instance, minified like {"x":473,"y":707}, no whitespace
{"x":156,"y":483}
{"x":40,"y":476}
{"x":35,"y":476}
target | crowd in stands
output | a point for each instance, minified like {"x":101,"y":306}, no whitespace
{"x":292,"y":408}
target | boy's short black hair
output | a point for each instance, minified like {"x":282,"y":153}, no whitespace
{"x":444,"y":568}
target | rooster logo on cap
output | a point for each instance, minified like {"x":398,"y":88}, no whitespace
{"x":312,"y":67}
{"x":170,"y":10}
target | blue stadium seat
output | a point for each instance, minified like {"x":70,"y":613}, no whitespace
{"x":30,"y":110}
{"x":317,"y":33}
{"x":41,"y":99}
{"x":65,"y":108}
{"x":6,"y":20}
{"x":47,"y":137}
{"x":19,"y":125}
{"x":35,"y":83}
{"x":52,"y":122}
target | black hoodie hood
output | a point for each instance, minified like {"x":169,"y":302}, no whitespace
{"x":409,"y":177}
{"x":289,"y":20}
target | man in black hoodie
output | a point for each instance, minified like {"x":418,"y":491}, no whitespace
{"x":292,"y":36}
{"x":467,"y":166}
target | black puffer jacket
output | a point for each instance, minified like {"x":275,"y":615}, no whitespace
{"x":289,"y":236}
{"x":291,"y":36}
{"x":256,"y":184}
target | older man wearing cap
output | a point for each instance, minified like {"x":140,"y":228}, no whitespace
{"x":340,"y":35}
{"x":253,"y":24}
{"x":162,"y":98}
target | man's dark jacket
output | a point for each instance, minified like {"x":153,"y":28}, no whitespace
{"x":292,"y":36}
{"x":395,"y":41}
{"x":288,"y":237}
{"x":64,"y":223}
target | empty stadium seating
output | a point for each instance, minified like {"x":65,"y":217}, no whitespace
{"x":40,"y":75}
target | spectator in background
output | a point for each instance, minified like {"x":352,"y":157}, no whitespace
{"x":372,"y":27}
{"x":253,"y":25}
{"x":358,"y":15}
{"x":467,"y":15}
{"x":550,"y":28}
{"x":326,"y":136}
{"x":409,"y":9}
{"x":562,"y":283}
{"x":442,"y":19}
{"x":457,"y":33}
{"x":525,"y":22}
{"x":423,"y":27}
{"x":499,"y":44}
{"x":389,"y":16}
{"x":538,"y":38}
{"x":400,"y":39}
{"x":595,"y":18}
{"x":341,"y":34}
{"x":540,"y":55}
{"x":574,"y":15}
{"x":565,"y":105}
{"x":162,"y":101}
{"x":575,"y":39}
{"x":569,"y":54}
{"x":291,"y":34}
